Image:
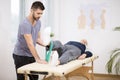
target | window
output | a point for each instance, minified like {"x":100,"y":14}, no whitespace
{"x":15,"y":18}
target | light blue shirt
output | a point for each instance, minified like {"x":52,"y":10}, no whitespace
{"x":26,"y":27}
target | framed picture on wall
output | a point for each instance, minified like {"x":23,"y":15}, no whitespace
{"x":92,"y":17}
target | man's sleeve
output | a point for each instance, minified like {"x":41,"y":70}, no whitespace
{"x":25,"y":29}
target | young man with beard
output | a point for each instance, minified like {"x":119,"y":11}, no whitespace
{"x":28,"y":35}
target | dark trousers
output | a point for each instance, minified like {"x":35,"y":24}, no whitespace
{"x":20,"y":61}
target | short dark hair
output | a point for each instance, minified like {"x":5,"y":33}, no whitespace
{"x":37,"y":5}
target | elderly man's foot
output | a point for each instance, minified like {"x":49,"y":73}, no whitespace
{"x":83,"y":56}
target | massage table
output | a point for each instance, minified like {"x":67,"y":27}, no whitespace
{"x":72,"y":68}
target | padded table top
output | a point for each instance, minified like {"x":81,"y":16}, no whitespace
{"x":59,"y":70}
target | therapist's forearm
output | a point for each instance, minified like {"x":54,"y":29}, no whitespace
{"x":40,"y":42}
{"x":34,"y":52}
{"x":31,"y":46}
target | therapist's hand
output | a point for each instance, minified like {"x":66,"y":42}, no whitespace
{"x":41,"y":61}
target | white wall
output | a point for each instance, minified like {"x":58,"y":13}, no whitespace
{"x":63,"y":19}
{"x":6,"y":61}
{"x":101,"y":41}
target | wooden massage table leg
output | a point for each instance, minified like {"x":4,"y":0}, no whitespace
{"x":26,"y":75}
{"x":52,"y":78}
{"x":82,"y":71}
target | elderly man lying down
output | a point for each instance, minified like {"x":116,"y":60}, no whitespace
{"x":70,"y":51}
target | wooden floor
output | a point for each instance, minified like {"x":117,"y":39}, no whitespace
{"x":96,"y":77}
{"x":106,"y":77}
